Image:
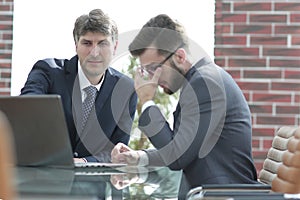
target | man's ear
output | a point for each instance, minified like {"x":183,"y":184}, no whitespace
{"x":180,"y":55}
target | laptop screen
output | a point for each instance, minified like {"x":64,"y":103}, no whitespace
{"x":39,"y":130}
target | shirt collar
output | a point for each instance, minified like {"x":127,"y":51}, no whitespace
{"x":84,"y":82}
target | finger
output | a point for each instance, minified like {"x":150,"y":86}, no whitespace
{"x":115,"y":150}
{"x":156,"y":75}
{"x":118,"y":158}
{"x":140,"y":79}
{"x":139,"y":74}
{"x":131,"y":157}
{"x":124,"y":149}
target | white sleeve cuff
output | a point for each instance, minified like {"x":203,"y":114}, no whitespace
{"x":147,"y":104}
{"x":144,"y":160}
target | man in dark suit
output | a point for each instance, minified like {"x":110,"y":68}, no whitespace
{"x":211,"y":137}
{"x":112,"y":111}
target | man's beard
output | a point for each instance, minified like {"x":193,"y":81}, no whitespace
{"x":177,"y":80}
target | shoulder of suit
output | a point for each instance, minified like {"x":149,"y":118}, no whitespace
{"x":118,"y":74}
{"x":53,"y":62}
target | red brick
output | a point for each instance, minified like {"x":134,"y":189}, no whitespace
{"x":222,"y":28}
{"x":255,"y":143}
{"x":7,"y":27}
{"x":270,"y":97}
{"x":284,"y":63}
{"x":297,"y":98}
{"x":275,"y":120}
{"x":5,"y":7}
{"x":259,"y":166}
{"x":5,"y":93}
{"x":236,"y":74}
{"x":230,"y":40}
{"x":7,"y":37}
{"x":5,"y":75}
{"x":259,"y":154}
{"x":220,"y":61}
{"x":287,"y":86}
{"x":264,"y":132}
{"x":292,"y":6}
{"x":5,"y":56}
{"x":288,"y":109}
{"x":6,"y":46}
{"x":258,"y":86}
{"x":253,"y":119}
{"x":292,"y":74}
{"x":245,"y":6}
{"x":295,"y":40}
{"x":8,"y":18}
{"x":5,"y":65}
{"x":287,"y":29}
{"x":267,"y":143}
{"x":246,"y":95}
{"x":237,"y":51}
{"x":294,"y":17}
{"x":270,"y":18}
{"x":254,"y":29}
{"x":256,"y":108}
{"x":262,"y":74}
{"x":232,"y":17}
{"x":272,"y":51}
{"x":222,"y":7}
{"x":268,"y":40}
{"x":4,"y":84}
{"x":246,"y":62}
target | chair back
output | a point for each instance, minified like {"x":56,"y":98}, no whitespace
{"x":275,"y":153}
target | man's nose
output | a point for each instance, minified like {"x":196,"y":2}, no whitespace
{"x":95,"y":51}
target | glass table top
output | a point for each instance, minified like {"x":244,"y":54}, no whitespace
{"x":97,"y":183}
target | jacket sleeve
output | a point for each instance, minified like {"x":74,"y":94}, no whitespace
{"x":39,"y":79}
{"x":196,"y":121}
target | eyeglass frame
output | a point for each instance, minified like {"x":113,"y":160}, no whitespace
{"x":157,"y":65}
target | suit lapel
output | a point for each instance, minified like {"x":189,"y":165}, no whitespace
{"x":105,"y":90}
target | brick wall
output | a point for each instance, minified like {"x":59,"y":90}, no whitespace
{"x":258,"y":43}
{"x":6,"y":36}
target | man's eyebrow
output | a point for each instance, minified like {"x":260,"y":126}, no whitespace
{"x":85,"y":40}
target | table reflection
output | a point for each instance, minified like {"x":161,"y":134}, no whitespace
{"x":97,"y":183}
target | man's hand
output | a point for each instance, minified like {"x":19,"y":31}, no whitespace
{"x":145,"y":86}
{"x":121,"y":153}
{"x":124,"y":180}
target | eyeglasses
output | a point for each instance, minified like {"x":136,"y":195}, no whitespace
{"x":150,"y":68}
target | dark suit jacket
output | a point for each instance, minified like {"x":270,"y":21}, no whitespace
{"x":211,"y":138}
{"x":112,"y":117}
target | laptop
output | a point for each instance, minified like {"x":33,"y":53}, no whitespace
{"x":40,"y":132}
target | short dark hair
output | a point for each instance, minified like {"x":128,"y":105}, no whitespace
{"x":95,"y":21}
{"x":160,"y":32}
